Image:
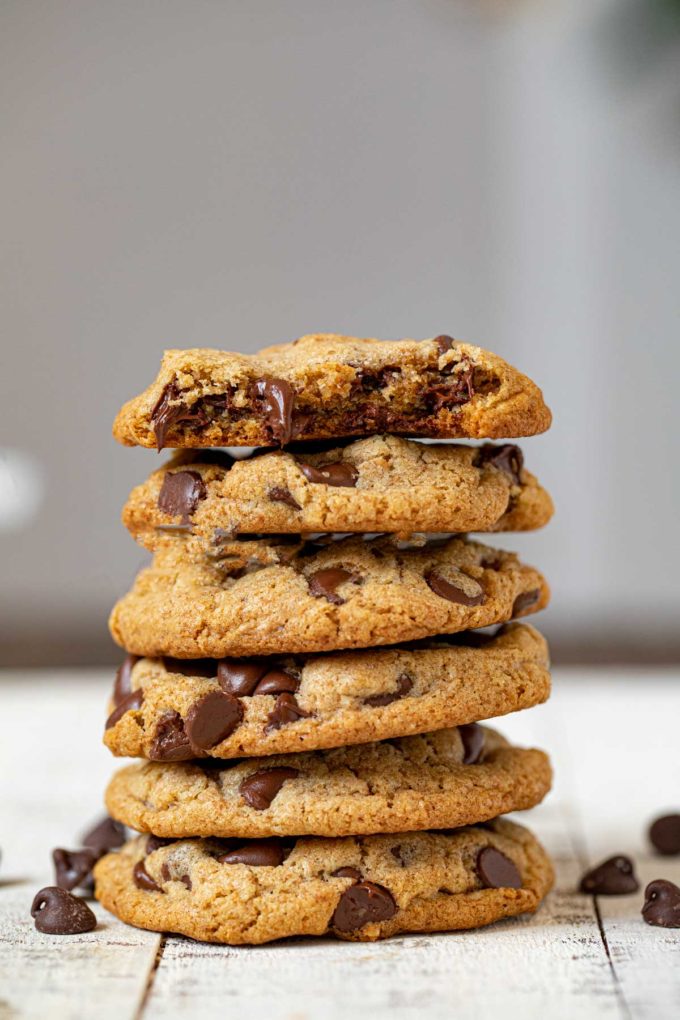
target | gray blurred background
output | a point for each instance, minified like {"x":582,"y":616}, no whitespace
{"x":238,"y":172}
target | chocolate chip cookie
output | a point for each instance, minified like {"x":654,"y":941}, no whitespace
{"x":439,"y":780}
{"x":324,"y":386}
{"x":175,"y":710}
{"x":358,"y":888}
{"x":351,"y":594}
{"x":381,"y":484}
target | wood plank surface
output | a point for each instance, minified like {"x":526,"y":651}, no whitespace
{"x":613,"y":740}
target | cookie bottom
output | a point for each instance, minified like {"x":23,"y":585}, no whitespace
{"x":357,"y":888}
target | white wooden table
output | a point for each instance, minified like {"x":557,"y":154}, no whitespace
{"x":614,"y":741}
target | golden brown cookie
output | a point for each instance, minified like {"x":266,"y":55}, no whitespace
{"x":325,"y":385}
{"x":171,"y":710}
{"x":351,"y":594}
{"x":440,"y":780}
{"x":381,"y":484}
{"x":358,"y":888}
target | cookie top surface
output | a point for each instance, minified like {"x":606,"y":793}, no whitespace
{"x":438,"y":780}
{"x":285,"y":704}
{"x":381,"y":484}
{"x":351,"y":594}
{"x":325,"y":385}
{"x":360,"y":888}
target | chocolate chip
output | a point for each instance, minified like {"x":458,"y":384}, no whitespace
{"x":212,"y":718}
{"x":170,"y":741}
{"x":444,"y":343}
{"x":496,"y":871}
{"x":180,"y":494}
{"x":168,"y":875}
{"x":191,"y":667}
{"x":258,"y":854}
{"x":396,"y":853}
{"x":57,"y":912}
{"x":123,"y":683}
{"x":339,"y":474}
{"x":156,"y":842}
{"x":507,"y":458}
{"x":404,"y":685}
{"x":278,"y":400}
{"x":352,"y":873}
{"x":129,"y":702}
{"x":143,"y":879}
{"x":166,"y":413}
{"x":286,"y":710}
{"x":613,"y":877}
{"x":664,"y":834}
{"x":450,"y":391}
{"x":323,"y":583}
{"x":472,"y":737}
{"x":363,"y":903}
{"x":447,"y":590}
{"x":241,"y":676}
{"x":277,"y":681}
{"x":662,"y":904}
{"x":279,"y":494}
{"x":260,"y":789}
{"x":525,"y":600}
{"x":73,"y":868}
{"x":104,"y":836}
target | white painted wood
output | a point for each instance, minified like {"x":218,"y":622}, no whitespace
{"x":613,"y":741}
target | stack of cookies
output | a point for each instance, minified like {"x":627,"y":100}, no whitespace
{"x":306,"y":665}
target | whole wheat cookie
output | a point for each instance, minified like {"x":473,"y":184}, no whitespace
{"x":381,"y":484}
{"x":440,"y":780}
{"x":326,"y":385}
{"x":350,"y":594}
{"x":358,"y":888}
{"x":174,"y":710}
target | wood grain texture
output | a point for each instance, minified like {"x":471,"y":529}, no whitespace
{"x":577,"y":957}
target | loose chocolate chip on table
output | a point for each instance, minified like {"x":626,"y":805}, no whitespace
{"x":664,"y":834}
{"x":286,"y":710}
{"x":278,"y":400}
{"x":662,"y":904}
{"x":123,"y":683}
{"x":277,"y":681}
{"x":258,"y":854}
{"x":241,"y":676}
{"x":496,"y":871}
{"x":143,"y":879}
{"x":260,"y":789}
{"x":181,"y":493}
{"x":404,"y":685}
{"x":129,"y":702}
{"x":212,"y":718}
{"x":507,"y":458}
{"x":323,"y":583}
{"x":337,"y":474}
{"x":170,"y":740}
{"x":525,"y":600}
{"x":447,"y":590}
{"x":472,"y":737}
{"x":352,"y":873}
{"x":104,"y":836}
{"x":166,"y":414}
{"x":73,"y":868}
{"x":57,"y":912}
{"x":614,"y":877}
{"x":191,"y":667}
{"x":279,"y":494}
{"x":363,"y":903}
